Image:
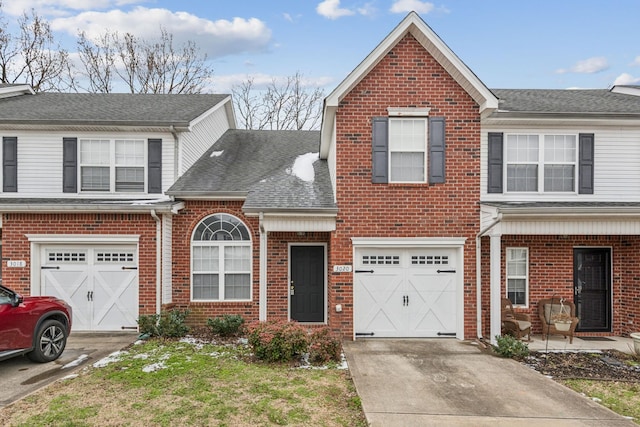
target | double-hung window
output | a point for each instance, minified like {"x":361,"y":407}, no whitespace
{"x":541,"y":163}
{"x":407,"y":149}
{"x":518,"y":275}
{"x":112,"y":165}
{"x":221,"y":260}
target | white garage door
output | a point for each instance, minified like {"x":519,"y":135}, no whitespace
{"x":99,"y":282}
{"x":405,"y":292}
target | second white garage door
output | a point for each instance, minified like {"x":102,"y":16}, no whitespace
{"x":99,"y":282}
{"x":405,"y":292}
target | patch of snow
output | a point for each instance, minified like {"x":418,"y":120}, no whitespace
{"x":303,"y":167}
{"x":217,"y":354}
{"x":113,"y":357}
{"x":69,"y":377}
{"x":154,"y":367}
{"x":138,"y":342}
{"x":76,"y":362}
{"x":216,"y":153}
{"x":143,"y":356}
{"x":243,"y":341}
{"x":196,"y":342}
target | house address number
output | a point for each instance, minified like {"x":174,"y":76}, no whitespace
{"x":16,"y":264}
{"x":342,"y":269}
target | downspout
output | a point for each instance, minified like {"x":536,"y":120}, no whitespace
{"x":158,"y":260}
{"x":479,"y":274}
{"x":176,"y":151}
{"x":262,"y":298}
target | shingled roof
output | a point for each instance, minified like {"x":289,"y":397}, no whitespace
{"x":273,"y":170}
{"x":567,"y":101}
{"x":106,"y":108}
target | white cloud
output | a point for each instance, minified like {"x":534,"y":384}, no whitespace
{"x":331,"y":9}
{"x":636,"y":62}
{"x":405,"y":6}
{"x":216,"y":38}
{"x":61,"y":7}
{"x":587,"y":66}
{"x":626,"y":79}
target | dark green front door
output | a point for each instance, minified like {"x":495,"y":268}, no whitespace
{"x":592,"y":288}
{"x":306,"y":288}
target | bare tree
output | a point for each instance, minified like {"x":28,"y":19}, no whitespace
{"x":142,"y":66}
{"x":98,"y":62}
{"x":286,"y":105}
{"x":32,"y":57}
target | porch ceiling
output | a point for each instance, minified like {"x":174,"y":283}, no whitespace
{"x":564,"y":218}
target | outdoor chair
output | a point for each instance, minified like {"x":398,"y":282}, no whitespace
{"x":548,"y":309}
{"x":516,"y":324}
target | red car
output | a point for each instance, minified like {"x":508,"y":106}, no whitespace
{"x":35,"y":326}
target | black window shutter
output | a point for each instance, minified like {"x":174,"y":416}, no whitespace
{"x":70,"y":165}
{"x":9,"y":164}
{"x":155,"y":166}
{"x":436,"y":150}
{"x":380,"y":150}
{"x":586,"y":144}
{"x":494,"y":171}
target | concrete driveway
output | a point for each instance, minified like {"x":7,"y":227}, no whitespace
{"x":446,"y":382}
{"x":20,"y":377}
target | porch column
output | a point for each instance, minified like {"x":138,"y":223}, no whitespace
{"x":495,"y":285}
{"x":262,"y":297}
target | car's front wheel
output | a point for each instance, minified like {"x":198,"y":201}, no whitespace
{"x":50,"y":340}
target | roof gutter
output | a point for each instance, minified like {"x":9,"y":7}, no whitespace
{"x":48,"y":208}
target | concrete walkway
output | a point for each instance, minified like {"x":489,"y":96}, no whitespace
{"x":446,"y":382}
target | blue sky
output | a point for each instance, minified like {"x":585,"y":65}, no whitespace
{"x":507,"y":43}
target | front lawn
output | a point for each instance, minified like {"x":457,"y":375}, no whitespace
{"x":189,"y":382}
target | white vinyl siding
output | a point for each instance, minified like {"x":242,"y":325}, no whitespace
{"x":616,"y":165}
{"x":203,"y":134}
{"x":40,"y":162}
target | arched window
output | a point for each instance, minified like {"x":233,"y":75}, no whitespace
{"x":221,"y":260}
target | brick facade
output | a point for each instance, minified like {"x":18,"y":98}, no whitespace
{"x":16,"y":246}
{"x":551,"y":274}
{"x":406,"y":77}
{"x":277,"y":268}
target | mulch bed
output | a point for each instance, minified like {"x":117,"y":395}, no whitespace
{"x":608,"y":365}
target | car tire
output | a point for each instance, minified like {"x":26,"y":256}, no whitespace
{"x":50,"y":340}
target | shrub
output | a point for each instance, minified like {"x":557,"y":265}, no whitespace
{"x":277,"y":340}
{"x":167,"y":324}
{"x":227,"y":325}
{"x":324,"y":346}
{"x":508,"y":346}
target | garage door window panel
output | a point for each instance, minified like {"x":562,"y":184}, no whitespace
{"x":221,"y":260}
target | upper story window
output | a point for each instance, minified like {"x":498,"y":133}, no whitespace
{"x":112,"y":165}
{"x":221,"y":260}
{"x":541,"y":163}
{"x":407,"y":149}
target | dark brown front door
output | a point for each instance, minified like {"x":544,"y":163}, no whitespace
{"x":307,"y":283}
{"x":592,"y":288}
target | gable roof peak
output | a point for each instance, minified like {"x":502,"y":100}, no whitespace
{"x":412,"y":24}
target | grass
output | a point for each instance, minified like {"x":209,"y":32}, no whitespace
{"x":167,"y":383}
{"x":621,"y":397}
